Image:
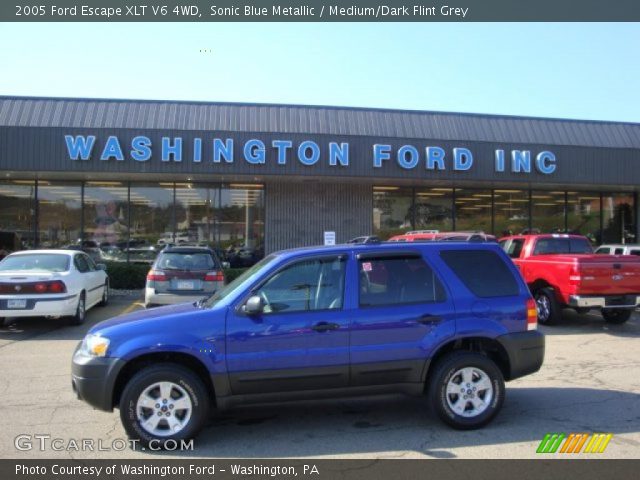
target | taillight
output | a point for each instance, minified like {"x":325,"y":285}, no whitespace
{"x":57,"y":287}
{"x":156,"y":276}
{"x":214,"y":277}
{"x":54,"y":286}
{"x":574,"y":276}
{"x":532,"y":314}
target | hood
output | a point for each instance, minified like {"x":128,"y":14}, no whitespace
{"x":145,"y":316}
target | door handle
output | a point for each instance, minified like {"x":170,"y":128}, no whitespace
{"x":325,"y":326}
{"x":429,"y":319}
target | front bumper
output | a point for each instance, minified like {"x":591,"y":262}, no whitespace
{"x":604,"y":301}
{"x":93,"y":379}
{"x":40,"y":306}
{"x":525,"y":351}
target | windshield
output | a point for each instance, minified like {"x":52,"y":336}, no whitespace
{"x":233,"y":286}
{"x":48,"y":262}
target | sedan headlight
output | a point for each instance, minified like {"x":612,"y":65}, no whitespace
{"x":95,"y":345}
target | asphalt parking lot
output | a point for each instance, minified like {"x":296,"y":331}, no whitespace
{"x":590,"y":382}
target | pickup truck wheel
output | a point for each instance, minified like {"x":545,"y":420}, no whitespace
{"x":466,"y":390}
{"x":549,"y":312}
{"x":164,"y":402}
{"x":616,"y":315}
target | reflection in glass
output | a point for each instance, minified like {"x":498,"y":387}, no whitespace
{"x":59,"y":206}
{"x":583,"y":215}
{"x":433,"y":209}
{"x":151,"y":221}
{"x":473,"y":210}
{"x":511,"y":211}
{"x":240,"y":222}
{"x":195,"y":214}
{"x":392,"y":211}
{"x":618,"y":218}
{"x":105,"y":217}
{"x":17,"y":215}
{"x":548,"y":211}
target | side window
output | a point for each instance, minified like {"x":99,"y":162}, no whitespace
{"x":90,"y":263}
{"x":398,"y":280}
{"x":619,"y":251}
{"x":482,"y":271}
{"x":634,"y":251}
{"x":81,"y":263}
{"x":305,"y":286}
{"x":515,"y":248}
{"x":603,"y":251}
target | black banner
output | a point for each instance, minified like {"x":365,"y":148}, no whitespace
{"x":322,"y":11}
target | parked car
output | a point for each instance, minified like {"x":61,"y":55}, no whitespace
{"x":183,"y":274}
{"x":322,"y":322}
{"x":51,"y":283}
{"x":414,"y":237}
{"x":364,"y":239}
{"x":89,"y":247}
{"x":561,"y":271}
{"x":465,"y":237}
{"x":618,"y":249}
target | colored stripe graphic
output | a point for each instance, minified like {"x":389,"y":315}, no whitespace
{"x":573,"y":443}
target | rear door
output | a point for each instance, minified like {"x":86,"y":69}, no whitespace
{"x":403,"y":311}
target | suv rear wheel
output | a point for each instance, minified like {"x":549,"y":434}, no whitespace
{"x":616,"y":315}
{"x":164,"y":402}
{"x":466,"y":390}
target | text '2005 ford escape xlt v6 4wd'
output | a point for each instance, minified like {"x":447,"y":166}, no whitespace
{"x":449,"y":320}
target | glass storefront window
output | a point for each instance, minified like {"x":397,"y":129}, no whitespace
{"x":511,"y":211}
{"x":547,"y":211}
{"x":152,"y":221}
{"x":618,"y":218}
{"x":583,"y":215}
{"x":473,"y":210}
{"x":59,"y":213}
{"x":434,"y":209}
{"x":240,"y":224}
{"x":195,"y":214}
{"x":17,"y":216}
{"x":392,"y":211}
{"x":105,"y":218}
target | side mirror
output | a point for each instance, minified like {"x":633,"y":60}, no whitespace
{"x":253,"y":306}
{"x":101,"y":266}
{"x":226,"y":265}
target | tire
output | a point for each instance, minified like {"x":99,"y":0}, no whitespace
{"x":183,"y":384}
{"x":549,"y":311}
{"x":616,"y":316}
{"x":105,"y":295}
{"x":449,"y":372}
{"x":582,"y":310}
{"x":81,"y":312}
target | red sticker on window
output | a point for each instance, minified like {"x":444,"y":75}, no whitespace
{"x":366,"y":266}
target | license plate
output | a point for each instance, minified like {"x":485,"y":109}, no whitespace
{"x":185,"y":285}
{"x":21,"y":303}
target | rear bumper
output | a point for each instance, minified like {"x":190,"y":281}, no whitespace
{"x":604,"y":301}
{"x":153,"y":298}
{"x":525,"y":351}
{"x":59,"y":306}
{"x":93,"y":379}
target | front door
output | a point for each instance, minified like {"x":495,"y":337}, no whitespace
{"x":301,"y":339}
{"x":404,"y":313}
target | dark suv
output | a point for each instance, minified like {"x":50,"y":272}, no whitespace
{"x":448,"y":320}
{"x":183,"y":274}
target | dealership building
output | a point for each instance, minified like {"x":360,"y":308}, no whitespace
{"x":132,"y":174}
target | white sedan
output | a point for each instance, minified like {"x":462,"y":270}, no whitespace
{"x":51,"y":283}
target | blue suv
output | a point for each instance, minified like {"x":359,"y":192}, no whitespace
{"x":451,"y":321}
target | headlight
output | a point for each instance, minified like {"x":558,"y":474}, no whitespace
{"x":95,"y":345}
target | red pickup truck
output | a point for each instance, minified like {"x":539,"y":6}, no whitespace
{"x":562,"y":271}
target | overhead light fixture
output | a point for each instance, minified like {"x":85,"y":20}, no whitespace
{"x":385,"y":188}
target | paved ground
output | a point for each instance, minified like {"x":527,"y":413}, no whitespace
{"x":589,"y":383}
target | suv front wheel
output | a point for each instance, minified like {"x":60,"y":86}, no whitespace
{"x":164,"y":402}
{"x":466,"y":390}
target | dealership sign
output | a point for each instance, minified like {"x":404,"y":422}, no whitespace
{"x":307,"y":152}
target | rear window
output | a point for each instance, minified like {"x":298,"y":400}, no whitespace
{"x":186,"y":261}
{"x":48,"y":262}
{"x":483,"y":272}
{"x":550,"y":246}
{"x":603,"y":251}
